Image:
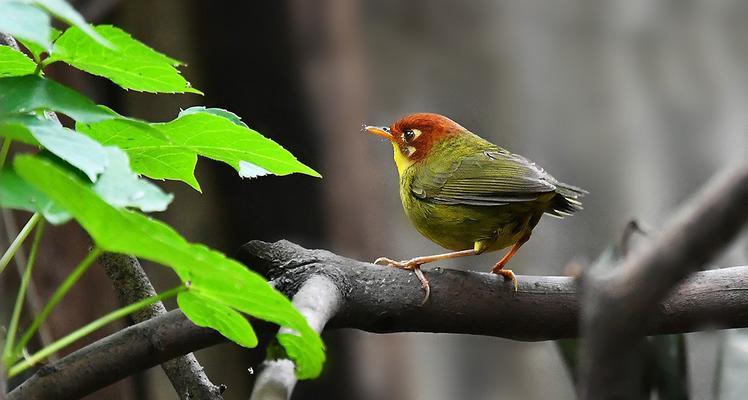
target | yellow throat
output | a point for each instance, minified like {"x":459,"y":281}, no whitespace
{"x":401,"y":160}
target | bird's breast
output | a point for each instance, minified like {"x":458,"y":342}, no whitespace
{"x":458,"y":227}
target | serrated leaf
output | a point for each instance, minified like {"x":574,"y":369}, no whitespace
{"x":212,"y":275}
{"x":121,"y":187}
{"x":215,"y":315}
{"x":151,"y":156}
{"x":197,"y":133}
{"x":117,"y":185}
{"x":19,"y":195}
{"x":131,"y":64}
{"x":14,"y":63}
{"x":23,"y":94}
{"x":75,"y":148}
{"x":215,"y":111}
{"x":220,"y":139}
{"x":24,"y":21}
{"x":65,"y":12}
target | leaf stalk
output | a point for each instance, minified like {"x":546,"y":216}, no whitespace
{"x":57,"y":296}
{"x":18,"y":241}
{"x":8,"y":359}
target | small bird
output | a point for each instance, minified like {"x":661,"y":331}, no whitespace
{"x":467,"y":194}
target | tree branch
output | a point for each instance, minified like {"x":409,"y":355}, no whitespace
{"x":114,"y":357}
{"x":318,"y":300}
{"x":619,"y":305}
{"x":131,"y":284}
{"x":384,"y":299}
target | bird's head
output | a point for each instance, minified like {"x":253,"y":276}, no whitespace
{"x":414,"y":135}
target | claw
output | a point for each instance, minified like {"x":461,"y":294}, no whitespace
{"x":384,"y":261}
{"x":508,"y":274}
{"x":424,"y":284}
{"x":412,"y":266}
{"x":388,"y":262}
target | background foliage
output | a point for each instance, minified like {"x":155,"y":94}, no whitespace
{"x":93,"y":174}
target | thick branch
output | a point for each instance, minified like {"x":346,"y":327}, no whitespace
{"x":383,"y":299}
{"x":619,"y":305}
{"x":132,"y":284}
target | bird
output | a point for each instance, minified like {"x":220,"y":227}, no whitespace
{"x":467,"y":194}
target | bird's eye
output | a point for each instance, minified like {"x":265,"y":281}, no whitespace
{"x":410,"y":134}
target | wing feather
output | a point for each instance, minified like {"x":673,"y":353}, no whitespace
{"x":487,"y":178}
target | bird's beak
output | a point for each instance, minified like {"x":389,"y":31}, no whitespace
{"x":382,"y":131}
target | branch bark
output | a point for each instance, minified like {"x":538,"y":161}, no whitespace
{"x":132,"y":284}
{"x":619,"y":305}
{"x":383,"y":299}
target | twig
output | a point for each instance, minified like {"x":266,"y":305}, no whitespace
{"x":318,"y":300}
{"x":382,"y":299}
{"x":32,"y":295}
{"x":618,"y":305}
{"x":131,"y":284}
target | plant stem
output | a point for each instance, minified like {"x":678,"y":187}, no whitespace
{"x":8,"y":358}
{"x":90,"y":327}
{"x":18,"y":241}
{"x":4,"y":151}
{"x":56,"y":298}
{"x":42,"y":64}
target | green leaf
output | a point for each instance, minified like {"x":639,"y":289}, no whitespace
{"x":309,"y":360}
{"x":213,"y":277}
{"x":149,"y":155}
{"x":37,"y":50}
{"x":65,"y":12}
{"x":218,"y":138}
{"x":75,"y":148}
{"x":117,"y":185}
{"x":24,"y":21}
{"x":197,"y":133}
{"x":19,"y":195}
{"x":23,"y":94}
{"x":215,"y":111}
{"x":15,"y":127}
{"x":131,"y":64}
{"x":121,"y":187}
{"x":14,"y":63}
{"x":215,"y":315}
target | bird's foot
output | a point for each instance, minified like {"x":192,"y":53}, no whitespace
{"x":410,"y":265}
{"x":507,"y":274}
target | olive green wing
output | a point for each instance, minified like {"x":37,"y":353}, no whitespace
{"x":492,"y":177}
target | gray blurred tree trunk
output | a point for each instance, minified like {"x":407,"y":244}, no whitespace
{"x":333,"y":71}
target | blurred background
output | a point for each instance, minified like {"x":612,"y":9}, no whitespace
{"x":639,"y":102}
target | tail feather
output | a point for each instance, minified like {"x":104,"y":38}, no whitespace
{"x":566,"y":202}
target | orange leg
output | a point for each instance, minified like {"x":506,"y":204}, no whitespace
{"x":507,"y":273}
{"x":414,"y":264}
